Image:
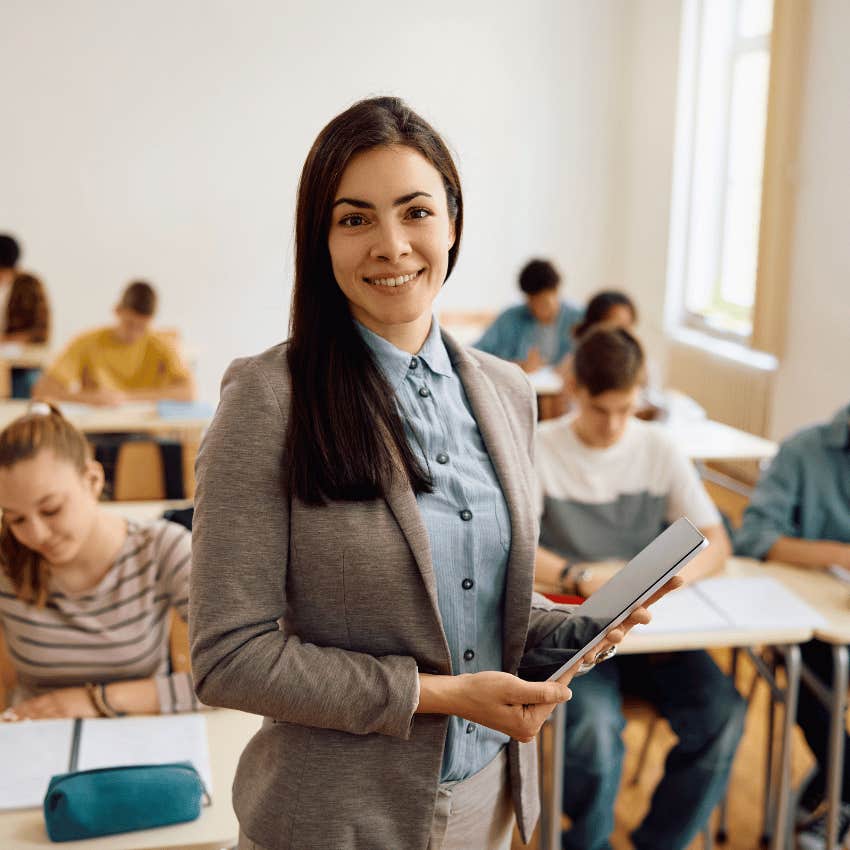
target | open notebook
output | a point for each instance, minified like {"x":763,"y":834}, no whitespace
{"x":731,"y":603}
{"x":33,"y":751}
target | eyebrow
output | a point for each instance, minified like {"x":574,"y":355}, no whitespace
{"x":40,"y":503}
{"x":365,"y":205}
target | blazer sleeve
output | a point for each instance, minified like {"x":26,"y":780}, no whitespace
{"x":241,"y":657}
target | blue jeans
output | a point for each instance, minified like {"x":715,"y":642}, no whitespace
{"x":705,"y":712}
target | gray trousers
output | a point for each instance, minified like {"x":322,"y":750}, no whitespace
{"x":475,"y":814}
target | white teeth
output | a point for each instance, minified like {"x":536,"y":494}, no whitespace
{"x":392,"y":281}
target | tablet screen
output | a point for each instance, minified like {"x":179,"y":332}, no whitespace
{"x":616,"y":599}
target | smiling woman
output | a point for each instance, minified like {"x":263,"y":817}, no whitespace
{"x":364,"y":530}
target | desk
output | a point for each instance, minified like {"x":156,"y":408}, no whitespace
{"x":144,"y":511}
{"x":832,"y":600}
{"x":15,"y":355}
{"x":788,"y":638}
{"x":130,"y":418}
{"x":228,"y":733}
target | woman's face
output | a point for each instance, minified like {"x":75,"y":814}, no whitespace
{"x":389,"y":238}
{"x":50,"y":505}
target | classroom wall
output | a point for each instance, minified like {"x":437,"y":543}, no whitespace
{"x":812,"y":381}
{"x":164,"y":140}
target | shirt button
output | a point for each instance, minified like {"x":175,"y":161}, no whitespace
{"x":466,"y":515}
{"x":468,"y":655}
{"x":413,"y":363}
{"x":442,"y":457}
{"x":467,"y":584}
{"x":424,"y":392}
{"x":470,"y":727}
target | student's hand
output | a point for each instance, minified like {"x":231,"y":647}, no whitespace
{"x":65,"y":702}
{"x":533,"y":361}
{"x":105,"y":397}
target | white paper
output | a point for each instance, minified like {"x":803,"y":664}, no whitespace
{"x":115,"y":742}
{"x":31,"y":751}
{"x":546,"y":380}
{"x":684,"y":610}
{"x":759,"y":603}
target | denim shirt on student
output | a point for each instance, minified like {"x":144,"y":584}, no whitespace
{"x":805,"y":493}
{"x":467,"y":521}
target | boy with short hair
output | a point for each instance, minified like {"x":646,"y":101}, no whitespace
{"x":125,"y":361}
{"x":611,"y":483}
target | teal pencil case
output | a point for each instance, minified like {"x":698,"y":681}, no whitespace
{"x":109,"y":800}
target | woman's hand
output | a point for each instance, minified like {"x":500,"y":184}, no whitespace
{"x":65,"y":702}
{"x":640,"y":616}
{"x":494,"y":699}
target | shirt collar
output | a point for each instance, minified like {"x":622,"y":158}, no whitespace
{"x":395,"y":363}
{"x":838,"y":431}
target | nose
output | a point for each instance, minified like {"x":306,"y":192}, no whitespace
{"x":34,"y":532}
{"x":391,"y":242}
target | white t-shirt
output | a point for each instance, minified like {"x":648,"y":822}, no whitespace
{"x":607,"y":504}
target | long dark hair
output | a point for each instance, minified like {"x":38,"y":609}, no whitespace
{"x":27,"y":309}
{"x":346,"y":439}
{"x":600,"y":306}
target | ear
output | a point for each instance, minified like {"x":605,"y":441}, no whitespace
{"x":94,"y":478}
{"x":570,"y":382}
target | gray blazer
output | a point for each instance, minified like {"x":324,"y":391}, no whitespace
{"x":321,"y":618}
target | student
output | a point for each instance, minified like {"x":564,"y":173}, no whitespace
{"x":10,"y":254}
{"x":123,"y":362}
{"x":27,"y":317}
{"x":539,"y":332}
{"x":84,"y":594}
{"x":800,"y":514}
{"x":615,"y":309}
{"x":610,"y":484}
{"x":364,"y":529}
{"x":27,"y":321}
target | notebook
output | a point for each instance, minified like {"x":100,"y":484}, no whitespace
{"x":33,"y":751}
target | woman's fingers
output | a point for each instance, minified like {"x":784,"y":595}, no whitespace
{"x":537,"y":693}
{"x":674,"y":583}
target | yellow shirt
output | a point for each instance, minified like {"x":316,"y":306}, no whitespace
{"x":99,"y":360}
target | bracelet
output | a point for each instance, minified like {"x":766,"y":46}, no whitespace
{"x":112,"y":712}
{"x":564,"y":575}
{"x":97,"y":694}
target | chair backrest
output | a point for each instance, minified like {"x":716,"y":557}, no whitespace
{"x":139,"y":473}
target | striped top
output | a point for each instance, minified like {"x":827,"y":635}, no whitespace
{"x":117,"y":630}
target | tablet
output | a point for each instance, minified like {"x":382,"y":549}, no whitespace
{"x":635,"y":583}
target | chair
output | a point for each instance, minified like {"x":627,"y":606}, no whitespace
{"x":139,"y":473}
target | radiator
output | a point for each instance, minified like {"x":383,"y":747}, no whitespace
{"x":732,"y":392}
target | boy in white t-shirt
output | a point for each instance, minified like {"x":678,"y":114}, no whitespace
{"x":609,"y":484}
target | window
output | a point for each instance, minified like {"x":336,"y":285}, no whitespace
{"x":723,"y":106}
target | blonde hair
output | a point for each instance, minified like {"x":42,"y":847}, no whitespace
{"x":22,"y":440}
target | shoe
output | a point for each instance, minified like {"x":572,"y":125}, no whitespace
{"x":813,"y":835}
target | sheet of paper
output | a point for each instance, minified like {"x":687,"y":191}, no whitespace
{"x":684,"y":610}
{"x":114,"y":742}
{"x":30,"y":753}
{"x":546,"y":380}
{"x":750,"y":603}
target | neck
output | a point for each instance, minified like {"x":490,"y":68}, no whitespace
{"x":96,"y":555}
{"x":409,"y":336}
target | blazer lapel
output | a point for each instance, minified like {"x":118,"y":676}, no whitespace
{"x":498,"y":435}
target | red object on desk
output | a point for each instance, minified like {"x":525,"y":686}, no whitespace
{"x":564,"y":599}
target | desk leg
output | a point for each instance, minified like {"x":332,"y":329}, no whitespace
{"x":783,"y":826}
{"x":550,"y":804}
{"x":835,"y":768}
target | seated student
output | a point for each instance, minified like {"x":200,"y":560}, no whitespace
{"x":123,"y":362}
{"x":84,"y":594}
{"x":610,"y":484}
{"x":537,"y":333}
{"x":10,"y":253}
{"x":27,"y":321}
{"x":800,"y":514}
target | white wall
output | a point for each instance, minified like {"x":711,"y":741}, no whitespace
{"x":164,"y":140}
{"x":814,"y":374}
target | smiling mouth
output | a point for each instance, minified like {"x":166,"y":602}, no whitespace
{"x":392,"y":282}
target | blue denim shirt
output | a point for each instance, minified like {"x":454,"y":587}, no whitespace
{"x":467,"y":521}
{"x":805,"y":493}
{"x":516,"y":331}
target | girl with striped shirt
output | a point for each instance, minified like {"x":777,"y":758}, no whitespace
{"x":84,"y":593}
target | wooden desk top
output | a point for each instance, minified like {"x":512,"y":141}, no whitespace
{"x":819,"y":589}
{"x":126,"y":418}
{"x":144,"y":511}
{"x":217,"y":827}
{"x":18,"y":355}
